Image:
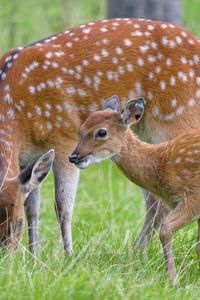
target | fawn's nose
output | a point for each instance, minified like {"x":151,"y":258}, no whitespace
{"x":73,"y":157}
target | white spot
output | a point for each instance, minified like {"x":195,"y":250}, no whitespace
{"x":118,"y":50}
{"x":150,"y":27}
{"x":69,"y":44}
{"x":81,"y":92}
{"x":182,"y":76}
{"x":29,"y":115}
{"x":178,"y":40}
{"x":67,"y":107}
{"x":103,"y":29}
{"x":49,"y":54}
{"x":140,"y":61}
{"x":164,"y":40}
{"x":114,"y":60}
{"x":85,"y":62}
{"x":155,"y":111}
{"x":58,"y":108}
{"x":172,"y":80}
{"x":198,"y":80}
{"x":87,"y":80}
{"x":138,"y":88}
{"x":49,"y":126}
{"x":174,"y":102}
{"x":162,"y":85}
{"x":168,"y":62}
{"x":110,"y":75}
{"x":129,"y":67}
{"x":47,"y":113}
{"x":104,"y":52}
{"x":198,"y":93}
{"x":163,"y":26}
{"x":31,"y":89}
{"x":97,"y":57}
{"x":144,"y":49}
{"x":151,"y":76}
{"x":87,"y":30}
{"x":178,"y":160}
{"x":71,"y":90}
{"x":180,"y":110}
{"x":10,"y":114}
{"x":38,"y":110}
{"x":183,"y":60}
{"x":158,"y":69}
{"x":151,"y":59}
{"x":128,"y":42}
{"x":59,"y":53}
{"x":191,"y":103}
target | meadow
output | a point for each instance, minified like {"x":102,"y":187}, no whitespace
{"x":109,"y":210}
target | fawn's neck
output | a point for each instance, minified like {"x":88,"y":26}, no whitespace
{"x":141,"y":162}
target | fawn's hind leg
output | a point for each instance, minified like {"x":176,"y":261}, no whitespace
{"x":179,"y":217}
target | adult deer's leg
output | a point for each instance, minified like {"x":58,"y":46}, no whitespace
{"x":179,"y":217}
{"x":66,"y":181}
{"x":32,"y":205}
{"x":155,"y":212}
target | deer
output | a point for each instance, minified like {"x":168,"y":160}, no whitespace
{"x":13,"y":196}
{"x":169,"y":170}
{"x":49,"y":88}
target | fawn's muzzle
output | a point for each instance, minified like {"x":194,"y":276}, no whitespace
{"x":73,"y":158}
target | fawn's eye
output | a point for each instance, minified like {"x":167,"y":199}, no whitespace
{"x":101,"y":133}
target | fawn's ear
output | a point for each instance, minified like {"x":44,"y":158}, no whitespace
{"x":32,"y":176}
{"x":112,"y":103}
{"x":133,"y":111}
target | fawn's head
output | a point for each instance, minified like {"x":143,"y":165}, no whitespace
{"x":102,"y":133}
{"x":14,"y":192}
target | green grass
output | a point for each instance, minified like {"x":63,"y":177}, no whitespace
{"x":108,"y":215}
{"x":109,"y":210}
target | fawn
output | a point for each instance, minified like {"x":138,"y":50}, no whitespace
{"x":169,"y":170}
{"x":48,"y":89}
{"x":19,"y":187}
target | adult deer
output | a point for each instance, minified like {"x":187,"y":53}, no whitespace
{"x":169,"y":170}
{"x":48,"y":89}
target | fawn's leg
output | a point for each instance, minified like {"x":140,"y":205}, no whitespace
{"x":155,"y":212}
{"x":198,"y":243}
{"x":179,"y":217}
{"x":32,"y":206}
{"x":66,"y":181}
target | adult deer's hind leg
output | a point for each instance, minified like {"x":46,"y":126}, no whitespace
{"x":155,"y":212}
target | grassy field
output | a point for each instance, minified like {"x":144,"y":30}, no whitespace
{"x":109,"y":210}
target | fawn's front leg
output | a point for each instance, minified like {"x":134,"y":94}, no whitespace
{"x":155,"y":212}
{"x":66,"y":181}
{"x":179,"y":217}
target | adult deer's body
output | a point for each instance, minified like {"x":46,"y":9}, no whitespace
{"x":47,"y":90}
{"x":170,"y":170}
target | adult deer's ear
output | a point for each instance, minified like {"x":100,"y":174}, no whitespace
{"x":32,"y":176}
{"x":112,"y":103}
{"x":133,"y":111}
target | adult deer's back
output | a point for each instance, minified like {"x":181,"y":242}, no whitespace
{"x":47,"y":90}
